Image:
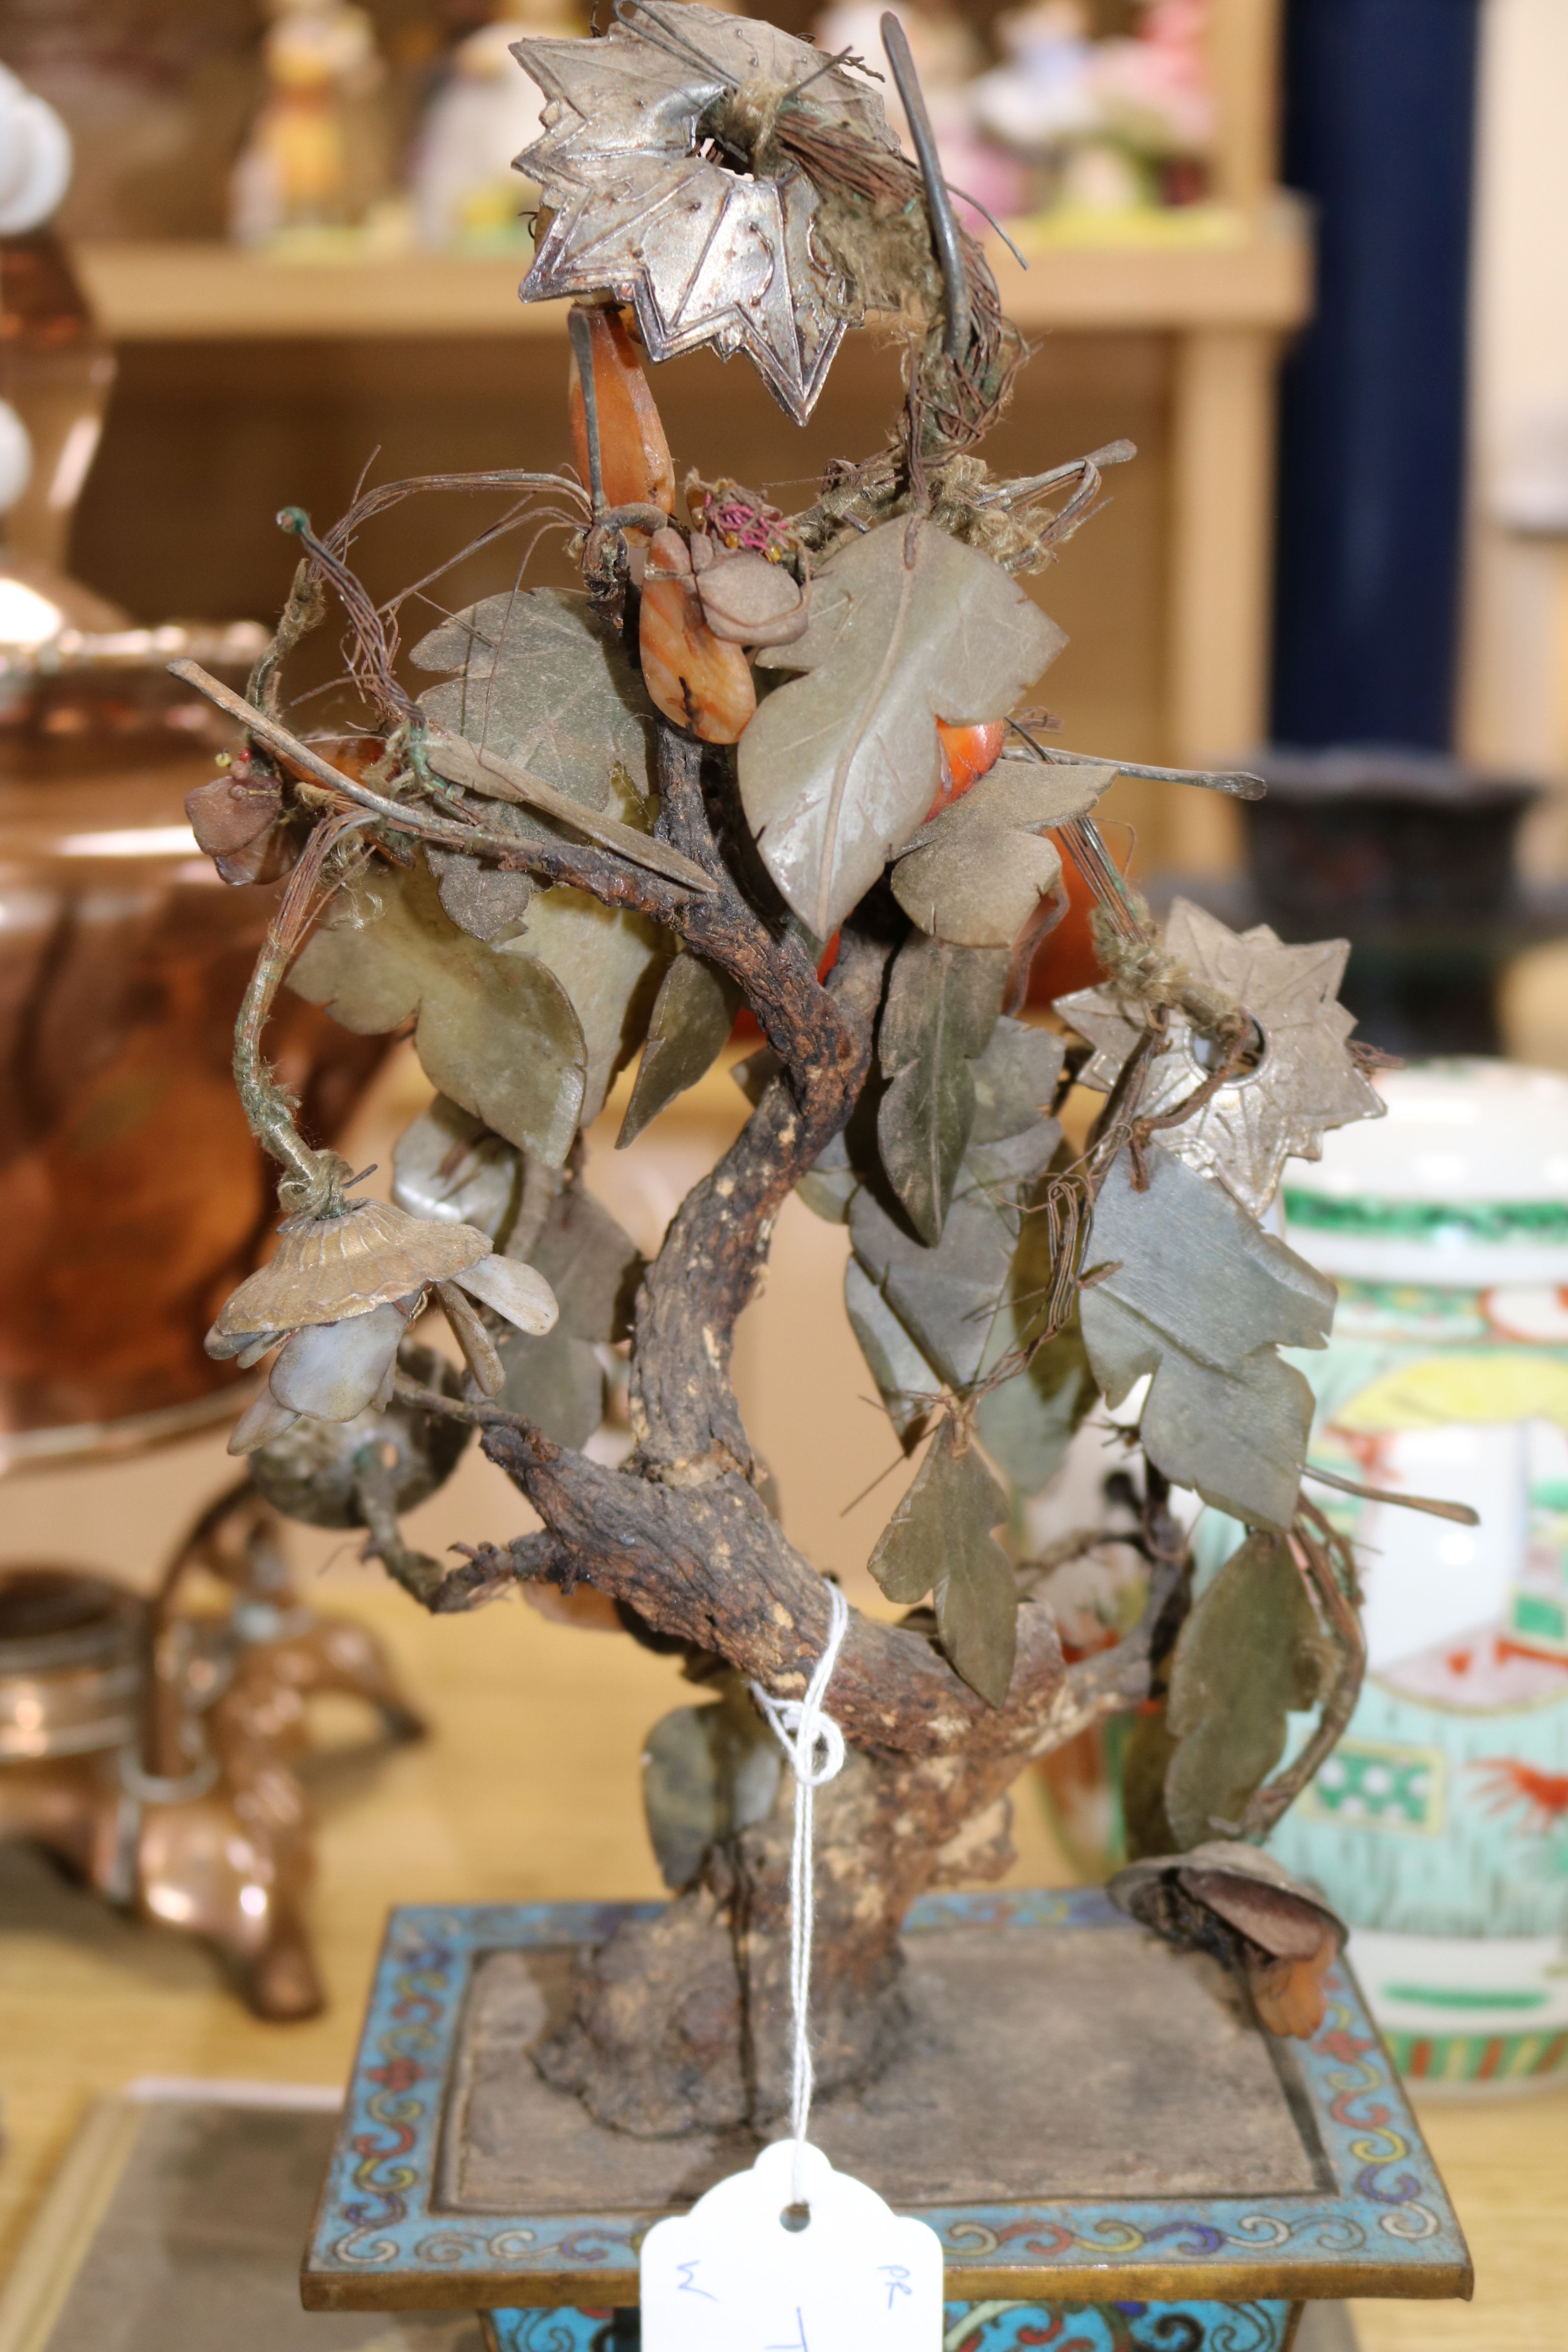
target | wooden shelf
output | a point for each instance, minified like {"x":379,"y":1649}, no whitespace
{"x":1257,"y":277}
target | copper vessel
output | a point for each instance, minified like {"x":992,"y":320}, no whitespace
{"x":132,"y":1195}
{"x":150,"y":1750}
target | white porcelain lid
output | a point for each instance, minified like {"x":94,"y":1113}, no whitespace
{"x":1464,"y":1182}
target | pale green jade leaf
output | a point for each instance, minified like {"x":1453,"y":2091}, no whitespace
{"x":544,"y":687}
{"x":938,"y":1540}
{"x":1250,"y":1654}
{"x":496,"y":1032}
{"x":839,"y":767}
{"x":975,"y":874}
{"x":518,"y":1292}
{"x":609,"y":965}
{"x":693,"y":1014}
{"x":1203,"y":1298}
{"x":333,"y":1371}
{"x":263,"y":1420}
{"x":448,"y":1166}
{"x":940,"y":1008}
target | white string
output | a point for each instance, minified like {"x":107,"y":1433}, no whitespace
{"x":815,"y":1747}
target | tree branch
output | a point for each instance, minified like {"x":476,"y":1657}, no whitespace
{"x":684,"y":1414}
{"x":679,"y":1534}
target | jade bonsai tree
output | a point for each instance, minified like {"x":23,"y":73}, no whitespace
{"x":788,"y":763}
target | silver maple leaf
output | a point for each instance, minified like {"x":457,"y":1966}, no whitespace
{"x":651,"y":204}
{"x":1305,"y":1081}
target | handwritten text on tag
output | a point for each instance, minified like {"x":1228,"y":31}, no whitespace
{"x":730,"y":2276}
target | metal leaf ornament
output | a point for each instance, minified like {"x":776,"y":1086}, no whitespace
{"x":668,"y":189}
{"x":1305,"y":1082}
{"x":741,"y":190}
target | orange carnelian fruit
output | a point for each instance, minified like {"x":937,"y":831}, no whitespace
{"x":696,"y":679}
{"x":971,"y":751}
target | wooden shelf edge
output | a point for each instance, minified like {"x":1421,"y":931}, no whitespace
{"x":177,"y":292}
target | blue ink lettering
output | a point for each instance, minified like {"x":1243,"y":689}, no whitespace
{"x":898,"y":2279}
{"x":687,"y":2287}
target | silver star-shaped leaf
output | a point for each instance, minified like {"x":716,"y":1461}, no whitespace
{"x":647,"y":206}
{"x":1305,"y":1082}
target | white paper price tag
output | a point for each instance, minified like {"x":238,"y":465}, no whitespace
{"x":730,"y":2277}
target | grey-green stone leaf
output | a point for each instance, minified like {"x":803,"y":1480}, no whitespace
{"x":949,"y":1298}
{"x":940,"y":1009}
{"x":906,"y":1383}
{"x":481,"y":900}
{"x":830,"y":1184}
{"x":1026,"y":1424}
{"x":693,"y":1014}
{"x":1250,"y":1652}
{"x":1015,"y":1080}
{"x":610,"y":966}
{"x":556,"y":1382}
{"x":545,"y":685}
{"x":964,"y":1305}
{"x":838,"y":769}
{"x":976,"y":872}
{"x":1202,"y":1299}
{"x":496,"y":1031}
{"x":938,"y":1540}
{"x":590,"y":1264}
{"x":593,"y":1268}
{"x":447,"y":1164}
{"x":707,"y":1771}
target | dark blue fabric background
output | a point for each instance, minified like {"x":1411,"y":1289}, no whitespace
{"x":1379,"y":132}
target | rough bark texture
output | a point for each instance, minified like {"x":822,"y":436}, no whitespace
{"x":685,"y":2020}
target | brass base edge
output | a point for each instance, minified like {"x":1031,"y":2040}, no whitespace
{"x":1145,"y":2282}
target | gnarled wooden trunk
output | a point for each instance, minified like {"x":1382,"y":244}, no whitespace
{"x":685,"y":2020}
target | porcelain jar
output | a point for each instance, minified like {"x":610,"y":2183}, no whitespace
{"x":1439,"y":1826}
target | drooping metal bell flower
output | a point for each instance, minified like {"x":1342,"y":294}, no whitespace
{"x":338,"y":1294}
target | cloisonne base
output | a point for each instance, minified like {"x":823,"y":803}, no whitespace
{"x":1112,"y":2153}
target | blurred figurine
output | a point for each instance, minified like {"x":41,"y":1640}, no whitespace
{"x":1043,"y":98}
{"x":316,"y":155}
{"x":1109,"y":125}
{"x":463,"y":187}
{"x":1154,"y":90}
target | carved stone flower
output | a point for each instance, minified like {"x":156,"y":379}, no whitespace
{"x":1246,"y":1909}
